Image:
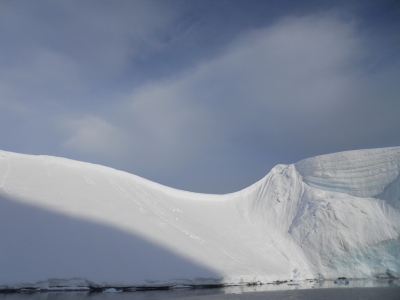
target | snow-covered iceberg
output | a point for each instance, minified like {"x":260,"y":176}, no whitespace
{"x":65,"y":223}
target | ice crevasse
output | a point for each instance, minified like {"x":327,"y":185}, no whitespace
{"x":65,"y":222}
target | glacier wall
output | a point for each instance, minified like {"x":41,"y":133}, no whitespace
{"x":352,"y":227}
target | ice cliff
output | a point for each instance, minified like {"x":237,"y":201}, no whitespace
{"x":69,"y":223}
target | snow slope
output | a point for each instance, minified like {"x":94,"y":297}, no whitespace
{"x":69,"y":223}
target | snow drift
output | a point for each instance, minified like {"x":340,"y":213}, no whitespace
{"x":69,"y":223}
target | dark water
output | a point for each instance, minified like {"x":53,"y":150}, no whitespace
{"x":363,"y":289}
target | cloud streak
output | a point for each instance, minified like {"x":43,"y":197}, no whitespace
{"x":299,"y":85}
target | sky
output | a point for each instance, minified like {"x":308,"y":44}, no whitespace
{"x":206,"y":96}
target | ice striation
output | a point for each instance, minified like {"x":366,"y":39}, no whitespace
{"x":363,"y":173}
{"x":66,"y":223}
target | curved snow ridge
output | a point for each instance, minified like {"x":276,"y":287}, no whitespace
{"x":69,"y":163}
{"x":361,"y":173}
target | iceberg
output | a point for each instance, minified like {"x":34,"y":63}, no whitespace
{"x":70,"y":224}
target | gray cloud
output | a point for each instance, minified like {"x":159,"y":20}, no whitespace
{"x":132,"y":86}
{"x":62,"y":50}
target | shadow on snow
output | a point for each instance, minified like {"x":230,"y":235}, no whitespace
{"x":37,"y":244}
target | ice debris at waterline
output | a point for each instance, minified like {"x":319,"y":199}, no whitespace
{"x":66,"y":223}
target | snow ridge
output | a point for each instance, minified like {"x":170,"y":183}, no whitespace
{"x":64,"y":222}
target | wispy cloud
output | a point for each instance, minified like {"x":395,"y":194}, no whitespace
{"x":297,"y":68}
{"x":93,"y":135}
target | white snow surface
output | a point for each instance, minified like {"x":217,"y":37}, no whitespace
{"x":66,"y":223}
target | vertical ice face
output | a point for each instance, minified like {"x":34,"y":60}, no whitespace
{"x":350,"y":224}
{"x":361,"y":173}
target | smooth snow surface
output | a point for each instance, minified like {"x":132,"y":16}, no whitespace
{"x":67,"y":223}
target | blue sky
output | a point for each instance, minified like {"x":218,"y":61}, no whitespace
{"x":205,"y":96}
